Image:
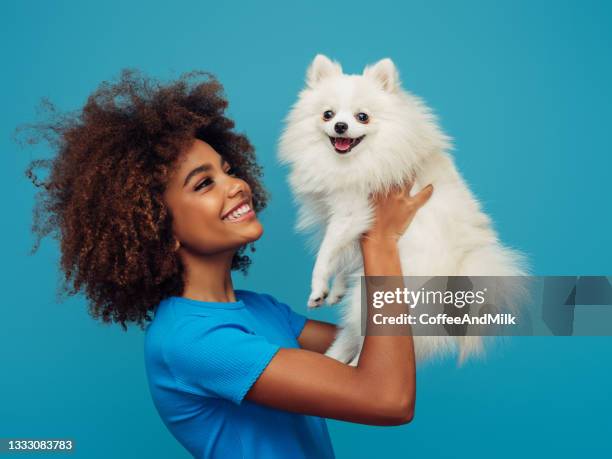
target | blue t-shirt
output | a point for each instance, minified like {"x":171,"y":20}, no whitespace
{"x":203,"y":357}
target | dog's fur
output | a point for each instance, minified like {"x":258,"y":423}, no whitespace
{"x":450,"y":235}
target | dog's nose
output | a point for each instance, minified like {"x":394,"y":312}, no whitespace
{"x":340,"y":127}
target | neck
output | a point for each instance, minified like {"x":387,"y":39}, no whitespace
{"x":208,"y":278}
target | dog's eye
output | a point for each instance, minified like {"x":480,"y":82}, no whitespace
{"x":328,"y":115}
{"x":362,"y":117}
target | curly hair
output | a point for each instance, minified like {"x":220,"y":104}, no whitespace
{"x":103,"y":198}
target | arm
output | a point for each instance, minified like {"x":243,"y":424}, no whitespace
{"x":381,"y":389}
{"x":317,"y":336}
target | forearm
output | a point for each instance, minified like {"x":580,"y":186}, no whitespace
{"x":389,"y":360}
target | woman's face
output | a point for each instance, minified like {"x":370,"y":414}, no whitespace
{"x":212,"y":209}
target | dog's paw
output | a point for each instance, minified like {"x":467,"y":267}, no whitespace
{"x":317,"y":297}
{"x":335,"y":297}
{"x":337,"y":291}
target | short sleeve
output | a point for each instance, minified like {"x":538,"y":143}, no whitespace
{"x":215,"y":359}
{"x":296,"y":321}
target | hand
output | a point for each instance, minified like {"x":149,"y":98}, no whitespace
{"x":394,"y":212}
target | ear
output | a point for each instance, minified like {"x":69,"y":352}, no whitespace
{"x":320,"y":68}
{"x":385,"y":73}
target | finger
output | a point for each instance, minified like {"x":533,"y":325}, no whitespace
{"x":396,"y":188}
{"x":400,"y":189}
{"x":407,"y":186}
{"x":423,"y":196}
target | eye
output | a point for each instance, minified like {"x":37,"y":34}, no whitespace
{"x":231,"y":171}
{"x":328,"y":115}
{"x":204,"y":183}
{"x":362,"y":117}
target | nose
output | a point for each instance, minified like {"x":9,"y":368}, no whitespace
{"x":340,"y":127}
{"x":237,"y":186}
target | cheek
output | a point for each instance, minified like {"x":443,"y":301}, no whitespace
{"x":357,"y":129}
{"x":327,"y":127}
{"x":370,"y":128}
{"x":197,"y":224}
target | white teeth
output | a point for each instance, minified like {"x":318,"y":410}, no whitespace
{"x":238,"y":212}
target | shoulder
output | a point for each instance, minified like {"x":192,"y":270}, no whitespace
{"x":186,"y":325}
{"x":264,"y":301}
{"x":268,"y":304}
{"x":205,"y":337}
{"x":249,"y":296}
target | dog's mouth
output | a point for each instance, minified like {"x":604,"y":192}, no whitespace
{"x":343,"y":145}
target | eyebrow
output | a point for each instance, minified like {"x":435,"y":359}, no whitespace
{"x":202,"y":168}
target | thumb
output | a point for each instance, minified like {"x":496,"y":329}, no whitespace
{"x":423,"y":196}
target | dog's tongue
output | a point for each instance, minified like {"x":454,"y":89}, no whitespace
{"x":342,"y":144}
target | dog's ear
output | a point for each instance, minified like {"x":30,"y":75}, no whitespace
{"x":321,"y":67}
{"x":385,"y":73}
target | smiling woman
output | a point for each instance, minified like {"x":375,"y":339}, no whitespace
{"x":154,"y":226}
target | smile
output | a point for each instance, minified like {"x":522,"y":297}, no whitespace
{"x":239,"y":213}
{"x":343,"y":145}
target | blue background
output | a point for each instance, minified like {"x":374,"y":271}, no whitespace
{"x":524,"y":89}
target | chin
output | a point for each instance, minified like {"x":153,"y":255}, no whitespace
{"x":254,"y":232}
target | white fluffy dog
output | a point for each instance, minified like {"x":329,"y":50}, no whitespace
{"x":350,"y":135}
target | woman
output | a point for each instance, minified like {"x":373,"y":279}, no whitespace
{"x":154,"y":198}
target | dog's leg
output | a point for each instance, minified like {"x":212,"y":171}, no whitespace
{"x":341,"y":231}
{"x":325,"y":263}
{"x":338,"y":288}
{"x":350,"y":262}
